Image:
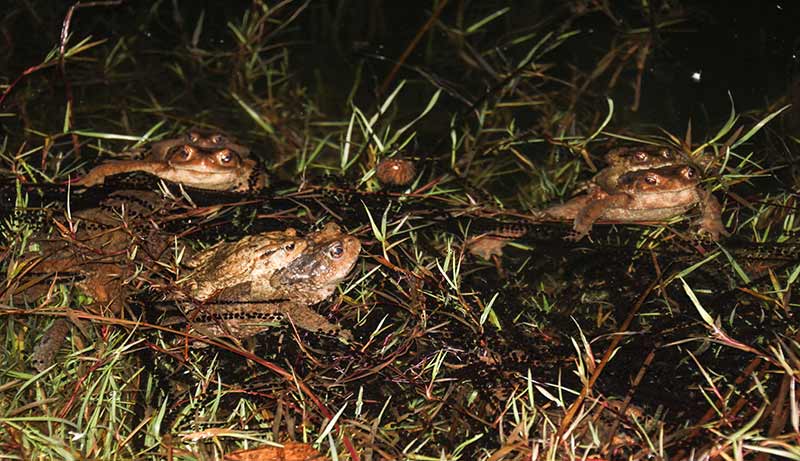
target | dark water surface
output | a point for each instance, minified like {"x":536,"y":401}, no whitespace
{"x":748,"y":49}
{"x":306,"y":68}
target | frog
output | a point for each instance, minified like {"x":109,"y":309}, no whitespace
{"x":100,"y":247}
{"x":204,"y":160}
{"x":627,"y":159}
{"x":249,"y":260}
{"x":97,"y":242}
{"x":489,"y":245}
{"x":281,"y":276}
{"x":210,"y":140}
{"x":654,"y":194}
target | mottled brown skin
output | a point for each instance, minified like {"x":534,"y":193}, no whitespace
{"x":214,"y":140}
{"x":104,"y":238}
{"x":314,"y":275}
{"x":628,"y":159}
{"x":250,"y":260}
{"x":286,"y":285}
{"x":47,"y":348}
{"x":644,"y":195}
{"x":205,"y":161}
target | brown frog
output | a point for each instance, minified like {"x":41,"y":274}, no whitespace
{"x":489,"y":245}
{"x":250,"y":260}
{"x":627,"y":159}
{"x":203,"y":160}
{"x":643,"y":195}
{"x":99,"y":242}
{"x":107,"y":249}
{"x":280,"y":276}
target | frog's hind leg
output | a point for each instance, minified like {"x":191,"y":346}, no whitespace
{"x":305,"y":318}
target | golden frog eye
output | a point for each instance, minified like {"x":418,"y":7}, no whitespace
{"x":226,"y":156}
{"x":336,"y":251}
{"x":689,"y":173}
{"x":289,"y":246}
{"x":651,"y":179}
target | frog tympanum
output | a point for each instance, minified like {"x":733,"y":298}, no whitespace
{"x":203,"y":160}
{"x":239,"y":288}
{"x":651,"y":194}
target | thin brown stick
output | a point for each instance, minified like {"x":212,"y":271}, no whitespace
{"x":573,"y":409}
{"x":211,"y":342}
{"x":410,"y":48}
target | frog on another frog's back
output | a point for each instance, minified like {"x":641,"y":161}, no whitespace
{"x":629,"y":159}
{"x":648,"y":194}
{"x":198,"y":159}
{"x":275,"y":275}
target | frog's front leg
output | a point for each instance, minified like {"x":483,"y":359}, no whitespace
{"x":594,"y":210}
{"x":711,"y":216}
{"x":98,"y":174}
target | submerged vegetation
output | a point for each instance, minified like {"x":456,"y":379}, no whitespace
{"x":475,"y":329}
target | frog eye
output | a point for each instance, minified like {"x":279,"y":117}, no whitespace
{"x":689,"y":172}
{"x":226,"y":156}
{"x":336,"y":251}
{"x":217,"y":139}
{"x":651,"y":179}
{"x":180,"y":153}
{"x":289,"y":246}
{"x":193,"y":136}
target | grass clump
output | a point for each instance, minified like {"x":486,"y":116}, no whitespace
{"x":641,"y":342}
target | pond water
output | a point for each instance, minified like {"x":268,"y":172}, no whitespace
{"x":389,"y":251}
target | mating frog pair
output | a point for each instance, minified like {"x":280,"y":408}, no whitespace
{"x":641,"y":184}
{"x":205,"y":160}
{"x":239,"y":288}
{"x":236,"y":288}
